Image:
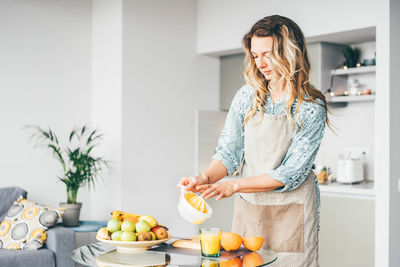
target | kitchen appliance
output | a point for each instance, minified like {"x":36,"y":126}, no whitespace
{"x":354,"y":87}
{"x":189,"y":213}
{"x":350,"y":171}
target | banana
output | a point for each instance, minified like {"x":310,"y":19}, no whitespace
{"x":150,"y":220}
{"x":122,"y":215}
{"x":103,"y":233}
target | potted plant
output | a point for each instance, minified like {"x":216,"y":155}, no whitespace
{"x":351,"y":55}
{"x":79,"y":166}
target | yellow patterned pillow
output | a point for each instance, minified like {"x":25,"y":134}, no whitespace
{"x":25,"y":225}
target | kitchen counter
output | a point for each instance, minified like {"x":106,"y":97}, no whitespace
{"x":364,"y":190}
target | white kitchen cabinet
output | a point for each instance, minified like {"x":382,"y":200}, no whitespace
{"x":324,"y":57}
{"x":231,"y":71}
{"x":208,"y":127}
{"x":346,"y":236}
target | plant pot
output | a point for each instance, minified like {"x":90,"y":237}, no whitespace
{"x":351,"y":63}
{"x":71,"y":214}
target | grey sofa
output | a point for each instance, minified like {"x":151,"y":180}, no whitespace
{"x":59,"y":245}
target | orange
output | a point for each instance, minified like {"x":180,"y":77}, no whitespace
{"x":189,"y":195}
{"x":253,"y":243}
{"x":235,"y":262}
{"x":196,"y":202}
{"x":252,"y":259}
{"x":231,"y":241}
{"x":132,"y":219}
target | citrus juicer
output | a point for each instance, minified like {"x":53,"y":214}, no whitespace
{"x":190,"y":213}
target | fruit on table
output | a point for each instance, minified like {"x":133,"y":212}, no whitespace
{"x":196,"y":202}
{"x":116,"y":236}
{"x":142,"y":226}
{"x":149,"y":219}
{"x":103,"y":233}
{"x":323,"y":175}
{"x":252,"y":259}
{"x":128,"y":225}
{"x":114,"y":225}
{"x":153,"y":236}
{"x":128,"y":236}
{"x":144,"y":236}
{"x":231,"y":241}
{"x":160,"y":232}
{"x":253,"y":243}
{"x":121,"y":215}
{"x":135,"y":220}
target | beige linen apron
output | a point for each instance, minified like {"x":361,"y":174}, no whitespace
{"x":288,"y":221}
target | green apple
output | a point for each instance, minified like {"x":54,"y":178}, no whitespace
{"x":114,"y":225}
{"x":153,"y":236}
{"x":116,"y":236}
{"x":128,"y":226}
{"x":142,"y":226}
{"x":128,"y":236}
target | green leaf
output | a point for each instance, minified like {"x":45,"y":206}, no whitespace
{"x":90,"y":137}
{"x":79,"y":168}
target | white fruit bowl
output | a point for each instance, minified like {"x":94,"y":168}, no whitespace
{"x":189,"y":213}
{"x":133,"y":246}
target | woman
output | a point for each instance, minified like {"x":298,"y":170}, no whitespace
{"x":271,"y":136}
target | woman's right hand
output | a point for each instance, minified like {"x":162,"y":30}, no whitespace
{"x":191,"y":182}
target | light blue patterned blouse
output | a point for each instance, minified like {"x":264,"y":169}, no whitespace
{"x":304,"y":147}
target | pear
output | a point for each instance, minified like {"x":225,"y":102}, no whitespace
{"x":142,"y":226}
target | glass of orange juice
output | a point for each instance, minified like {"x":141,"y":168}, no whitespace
{"x":210,"y":241}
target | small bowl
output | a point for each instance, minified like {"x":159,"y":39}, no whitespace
{"x":191,"y":214}
{"x":134,"y":246}
{"x":369,"y":61}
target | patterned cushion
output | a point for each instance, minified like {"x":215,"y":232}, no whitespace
{"x":25,"y":225}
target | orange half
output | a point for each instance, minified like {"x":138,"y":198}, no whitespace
{"x":196,"y":202}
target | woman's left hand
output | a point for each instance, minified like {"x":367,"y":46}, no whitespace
{"x":220,"y":189}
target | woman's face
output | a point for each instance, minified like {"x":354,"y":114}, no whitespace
{"x":261,"y":49}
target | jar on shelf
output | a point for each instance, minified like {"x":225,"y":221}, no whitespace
{"x":354,"y":88}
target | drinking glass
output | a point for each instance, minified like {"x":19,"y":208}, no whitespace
{"x":210,"y":241}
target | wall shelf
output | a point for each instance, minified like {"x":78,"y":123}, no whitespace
{"x":363,"y":190}
{"x":358,"y":70}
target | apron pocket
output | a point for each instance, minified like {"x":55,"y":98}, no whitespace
{"x":282,"y":226}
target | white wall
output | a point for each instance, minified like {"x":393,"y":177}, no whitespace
{"x":45,"y":57}
{"x":354,"y":126}
{"x":164,"y":82}
{"x":107,"y":102}
{"x":394,"y":184}
{"x":222,"y":24}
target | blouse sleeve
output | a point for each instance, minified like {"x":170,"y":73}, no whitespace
{"x":231,"y":141}
{"x":304,"y":147}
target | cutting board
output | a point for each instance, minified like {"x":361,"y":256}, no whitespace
{"x":192,"y":247}
{"x":193,"y":243}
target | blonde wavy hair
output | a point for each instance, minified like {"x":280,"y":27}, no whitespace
{"x":290,"y":61}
